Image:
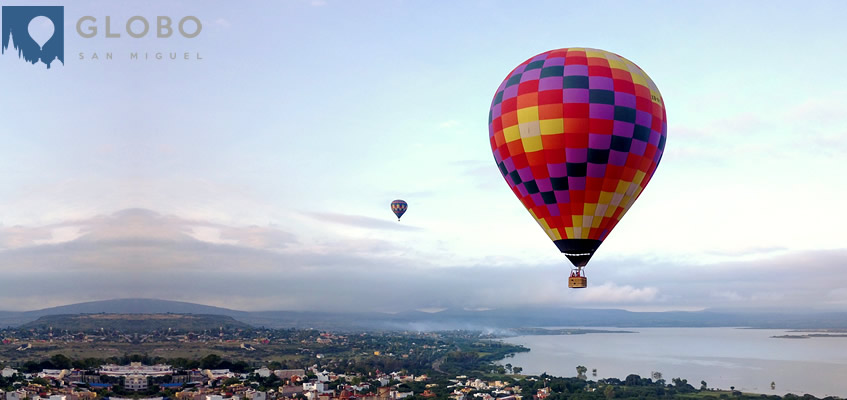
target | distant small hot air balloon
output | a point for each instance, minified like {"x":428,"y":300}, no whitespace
{"x":577,"y":133}
{"x":399,"y":207}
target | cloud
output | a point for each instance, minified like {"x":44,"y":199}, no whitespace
{"x":19,"y":236}
{"x":223,"y":22}
{"x":142,"y":253}
{"x":614,"y":294}
{"x":360,"y":221}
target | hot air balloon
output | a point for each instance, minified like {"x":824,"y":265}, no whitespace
{"x":399,"y":207}
{"x":577,"y":133}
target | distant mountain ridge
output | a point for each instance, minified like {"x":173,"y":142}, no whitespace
{"x":451,"y":319}
{"x":135,"y":306}
{"x":136,"y":322}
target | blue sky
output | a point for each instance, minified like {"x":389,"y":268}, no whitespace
{"x":275,"y":158}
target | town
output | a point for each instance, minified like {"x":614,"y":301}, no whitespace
{"x":207,"y":357}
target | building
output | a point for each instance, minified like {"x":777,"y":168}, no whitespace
{"x":55,"y":374}
{"x":286,"y":374}
{"x":136,"y":376}
{"x":136,"y":368}
{"x":135,"y":382}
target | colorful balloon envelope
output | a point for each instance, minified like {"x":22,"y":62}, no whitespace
{"x":577,"y":133}
{"x":399,"y":208}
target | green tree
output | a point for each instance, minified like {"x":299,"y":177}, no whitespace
{"x":580,"y":372}
{"x":703,"y":385}
{"x":41,"y":381}
{"x":517,"y":370}
{"x":632,"y":380}
{"x":509,"y":368}
{"x":231,"y":381}
{"x":210,"y":362}
{"x":60,"y":361}
{"x":609,"y":392}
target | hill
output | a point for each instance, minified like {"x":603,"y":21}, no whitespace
{"x":450,"y":319}
{"x":131,"y":323}
{"x":135,"y":306}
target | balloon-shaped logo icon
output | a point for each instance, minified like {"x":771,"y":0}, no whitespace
{"x":41,"y":29}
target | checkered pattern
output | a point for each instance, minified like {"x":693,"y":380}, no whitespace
{"x":399,"y":207}
{"x":577,"y":133}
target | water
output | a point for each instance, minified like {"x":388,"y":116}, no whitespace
{"x":748,"y":359}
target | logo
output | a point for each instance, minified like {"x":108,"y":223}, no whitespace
{"x":35,"y":33}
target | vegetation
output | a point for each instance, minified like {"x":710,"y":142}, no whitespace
{"x":134,"y":323}
{"x":209,"y":342}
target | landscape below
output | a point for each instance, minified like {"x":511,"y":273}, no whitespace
{"x":213,"y":355}
{"x":451,"y":319}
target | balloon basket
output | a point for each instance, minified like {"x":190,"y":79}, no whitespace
{"x":577,"y":282}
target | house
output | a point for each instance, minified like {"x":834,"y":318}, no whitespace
{"x":284,"y":374}
{"x":263,"y":372}
{"x":319,"y":387}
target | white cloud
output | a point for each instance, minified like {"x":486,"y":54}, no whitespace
{"x":610,"y":293}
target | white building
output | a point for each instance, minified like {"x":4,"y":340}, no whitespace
{"x":319,"y":387}
{"x":136,"y":374}
{"x":56,"y":374}
{"x":16,"y":395}
{"x":136,"y":368}
{"x":8,"y":372}
{"x":256,"y":395}
{"x":264,"y":372}
{"x":218,"y":373}
{"x":135,"y":382}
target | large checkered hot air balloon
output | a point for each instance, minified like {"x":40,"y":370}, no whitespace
{"x":577,"y":133}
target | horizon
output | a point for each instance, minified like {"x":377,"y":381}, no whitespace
{"x":259,"y":175}
{"x":762,"y":310}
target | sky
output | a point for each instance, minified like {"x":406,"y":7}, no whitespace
{"x":257,"y":174}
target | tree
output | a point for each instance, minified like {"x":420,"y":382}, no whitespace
{"x":41,"y":381}
{"x":609,"y":392}
{"x":580,"y":371}
{"x":773,"y":385}
{"x":682,"y":385}
{"x":210,"y":362}
{"x":517,"y":370}
{"x":703,"y":385}
{"x":60,"y":361}
{"x":231,"y":381}
{"x":632,"y":380}
{"x":509,"y":368}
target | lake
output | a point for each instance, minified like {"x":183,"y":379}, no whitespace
{"x":748,"y":359}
